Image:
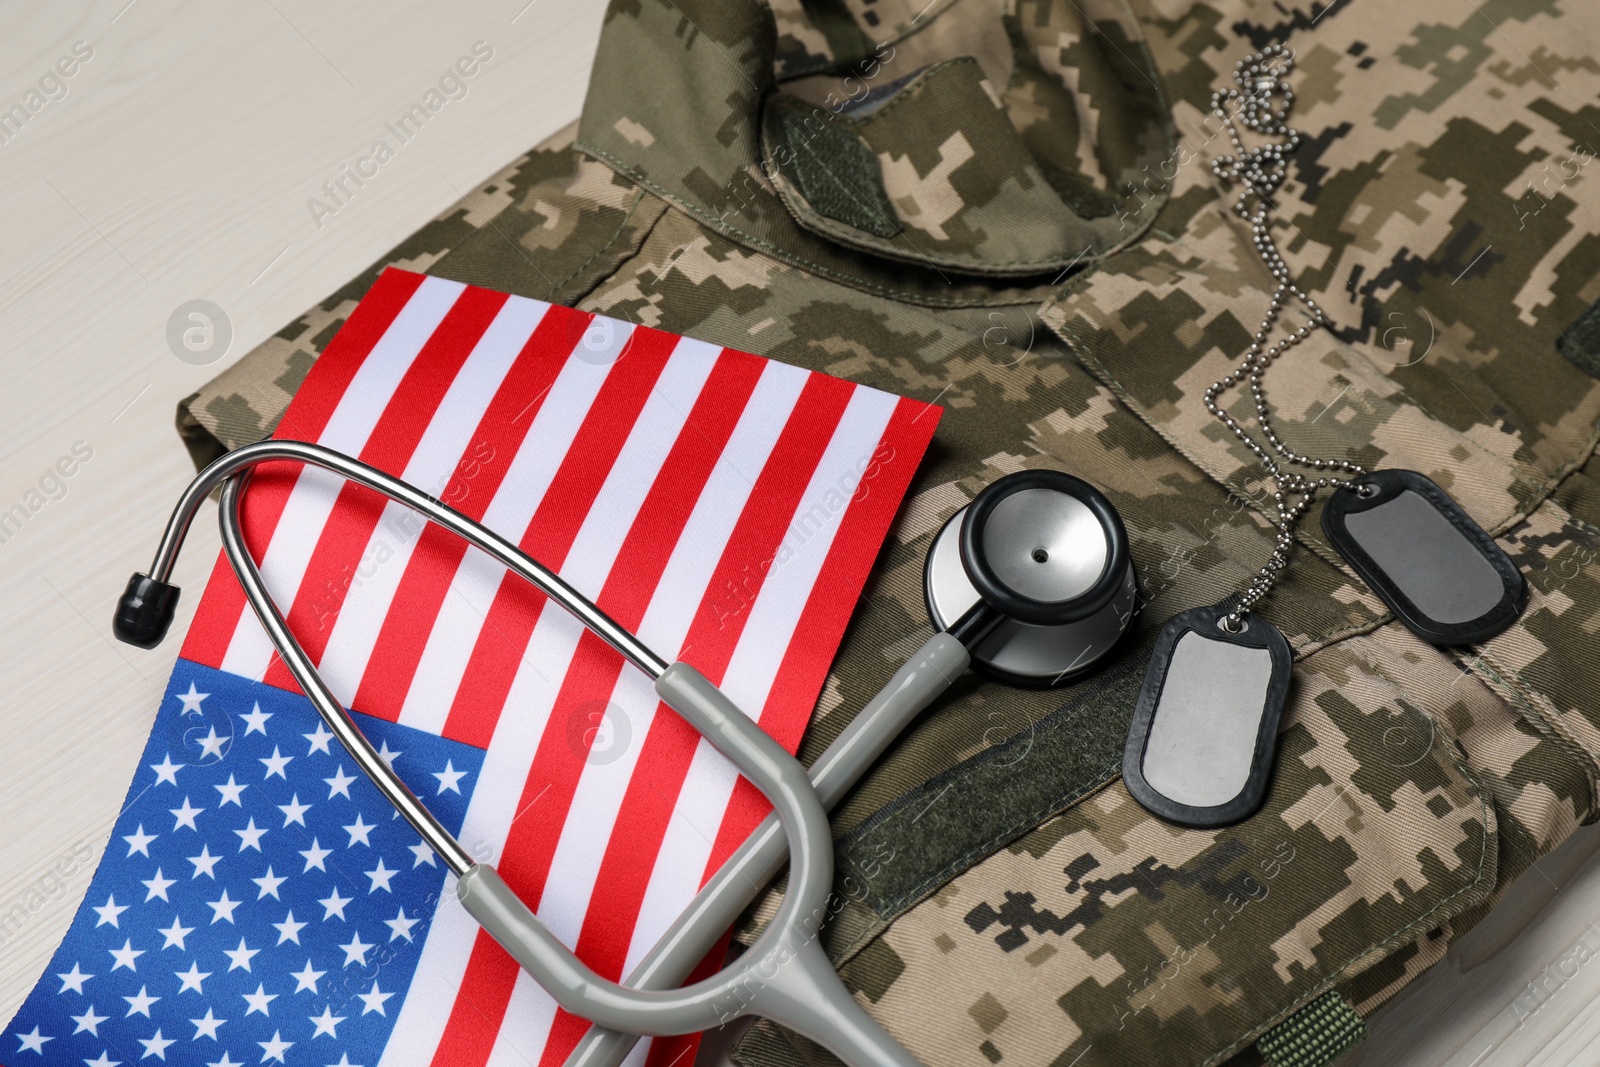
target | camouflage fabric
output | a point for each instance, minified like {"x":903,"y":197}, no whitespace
{"x":1007,"y":208}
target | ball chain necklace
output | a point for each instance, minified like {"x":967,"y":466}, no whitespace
{"x":1204,"y":732}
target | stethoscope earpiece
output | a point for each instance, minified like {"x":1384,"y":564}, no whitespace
{"x":145,"y":611}
{"x":1034,"y":576}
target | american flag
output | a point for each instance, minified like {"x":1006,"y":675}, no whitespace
{"x":259,"y":902}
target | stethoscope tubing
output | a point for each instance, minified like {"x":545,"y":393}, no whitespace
{"x":695,"y":932}
{"x":785,"y":976}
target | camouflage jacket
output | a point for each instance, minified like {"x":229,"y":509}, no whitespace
{"x":1009,"y":209}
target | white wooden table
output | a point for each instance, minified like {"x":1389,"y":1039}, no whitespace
{"x":177,"y":166}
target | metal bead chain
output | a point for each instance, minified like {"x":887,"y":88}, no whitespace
{"x":1262,"y":103}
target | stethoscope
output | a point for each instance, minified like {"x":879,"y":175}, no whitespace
{"x":1030,"y":583}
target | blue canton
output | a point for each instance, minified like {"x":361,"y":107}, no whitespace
{"x":259,"y":900}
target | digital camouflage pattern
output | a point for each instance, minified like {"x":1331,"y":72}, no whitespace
{"x":1007,"y":209}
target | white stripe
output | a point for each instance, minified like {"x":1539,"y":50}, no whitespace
{"x":284,"y":564}
{"x":669,"y":616}
{"x":703,"y":801}
{"x":445,"y":445}
{"x":461,"y":616}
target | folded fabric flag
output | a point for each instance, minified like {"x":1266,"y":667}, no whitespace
{"x":260,"y":902}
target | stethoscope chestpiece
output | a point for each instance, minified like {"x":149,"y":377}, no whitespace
{"x":1046,"y":555}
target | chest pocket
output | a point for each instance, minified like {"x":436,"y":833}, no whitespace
{"x":1163,"y":322}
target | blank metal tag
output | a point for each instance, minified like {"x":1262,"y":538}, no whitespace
{"x":1205,"y":729}
{"x":1438,"y":570}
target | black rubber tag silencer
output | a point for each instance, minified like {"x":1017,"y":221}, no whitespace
{"x":1205,"y":622}
{"x":1345,"y":508}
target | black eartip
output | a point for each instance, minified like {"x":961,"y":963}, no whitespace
{"x":145,"y":611}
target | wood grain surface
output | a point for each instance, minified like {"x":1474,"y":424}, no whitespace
{"x":177,"y":166}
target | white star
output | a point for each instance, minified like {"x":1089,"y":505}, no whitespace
{"x":157,"y":887}
{"x":211,"y":744}
{"x":269,"y":884}
{"x":373,"y":1001}
{"x":294,"y":811}
{"x":450,"y":778}
{"x":89,"y":1021}
{"x":356,"y":951}
{"x":124,"y":956}
{"x":240,"y":956}
{"x":358,"y":831}
{"x":274,"y":1049}
{"x":339,"y":784}
{"x":207,"y":1027}
{"x":381,"y":876}
{"x":256,"y":721}
{"x":192,"y":978}
{"x":175,"y":935}
{"x":326,"y":1023}
{"x":344,"y":1061}
{"x":185,"y":816}
{"x":109,"y":911}
{"x":315,"y":855}
{"x":139,"y":842}
{"x":74,"y":981}
{"x":289,"y":930}
{"x":205,"y":863}
{"x":259,"y":1000}
{"x":306,"y":979}
{"x":319,"y":740}
{"x":250,"y":837}
{"x":224,"y":1062}
{"x":102,"y":1060}
{"x":276,"y":763}
{"x":34,"y":1042}
{"x":166,"y":770}
{"x":191,"y":700}
{"x":140,"y":1003}
{"x":334,"y":904}
{"x":156,"y":1046}
{"x":222,"y":909}
{"x":230,"y":792}
{"x":387,"y":756}
{"x":400,"y":925}
{"x":423,"y":853}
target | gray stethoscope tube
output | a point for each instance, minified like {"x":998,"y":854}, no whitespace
{"x":785,"y":976}
{"x":1035,"y":582}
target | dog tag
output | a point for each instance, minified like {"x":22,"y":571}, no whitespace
{"x":1438,"y":570}
{"x":1205,"y":729}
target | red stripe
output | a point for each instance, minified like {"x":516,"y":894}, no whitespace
{"x":390,"y":446}
{"x":314,"y":403}
{"x":437,"y":554}
{"x":670,"y":743}
{"x":827,"y":612}
{"x":491,"y":973}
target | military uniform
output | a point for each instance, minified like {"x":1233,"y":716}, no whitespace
{"x":1008,"y":209}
